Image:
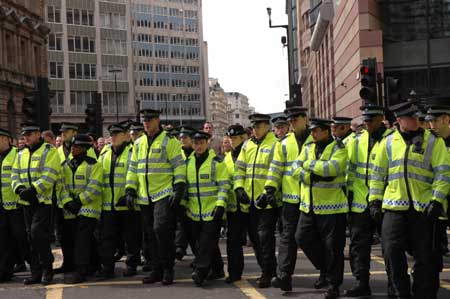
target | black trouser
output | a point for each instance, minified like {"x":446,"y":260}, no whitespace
{"x":13,"y":240}
{"x":68,"y":228}
{"x":235,"y":254}
{"x":114,"y":225}
{"x":362,"y":229}
{"x":181,"y":240}
{"x":287,"y":248}
{"x":412,"y":231}
{"x":84,"y":243}
{"x":159,"y":225}
{"x":261,"y":230}
{"x":37,"y":221}
{"x":322,"y":239}
{"x":206,"y":235}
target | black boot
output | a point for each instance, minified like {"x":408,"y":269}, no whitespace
{"x":47,"y":276}
{"x":74,"y":278}
{"x":153,"y":277}
{"x":20,"y":268}
{"x":168,"y":277}
{"x":198,"y":278}
{"x":64,"y":269}
{"x":129,"y":271}
{"x":321,"y":282}
{"x":104,"y":274}
{"x":36,"y":277}
{"x":332,"y":293}
{"x":264,"y":281}
{"x":359,"y":290}
{"x":283,"y":282}
{"x":215,"y":275}
{"x":180,"y":253}
{"x":231,"y":279}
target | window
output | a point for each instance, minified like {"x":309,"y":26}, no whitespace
{"x":115,"y":47}
{"x":57,"y":102}
{"x":54,"y":42}
{"x":82,"y":71}
{"x":112,"y":20}
{"x":79,"y":100}
{"x":81,"y":44}
{"x":107,"y":75}
{"x":56,"y":70}
{"x":109,"y":102}
{"x":80,"y":17}
{"x":53,"y":14}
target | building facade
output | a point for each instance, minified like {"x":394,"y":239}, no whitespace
{"x":332,"y":47}
{"x":216,"y":111}
{"x":169,"y":59}
{"x":238,"y":109}
{"x":23,"y":61}
{"x":89,"y":52}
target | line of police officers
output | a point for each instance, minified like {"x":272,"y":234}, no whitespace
{"x":314,"y":180}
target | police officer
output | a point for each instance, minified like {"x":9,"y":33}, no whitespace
{"x":68,"y":132}
{"x":157,"y":178}
{"x":237,"y":214}
{"x":35,"y":172}
{"x":118,"y":219}
{"x":341,"y":128}
{"x":13,"y":238}
{"x":280,"y":179}
{"x":362,"y":227}
{"x":181,"y":236}
{"x":323,"y":204}
{"x":252,"y":167}
{"x":208,"y":186}
{"x":415,"y":164}
{"x":280,"y":126}
{"x":136,"y":131}
{"x":82,"y":196}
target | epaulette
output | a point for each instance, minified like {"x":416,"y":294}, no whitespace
{"x":90,"y":160}
{"x":218,"y":159}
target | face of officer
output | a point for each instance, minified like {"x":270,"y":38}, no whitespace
{"x":408,"y":123}
{"x":374,"y":123}
{"x":260,"y":129}
{"x":68,"y":135}
{"x":186,"y":141}
{"x":237,"y":140}
{"x":134,"y":135}
{"x":200,"y":146}
{"x":340,"y":130}
{"x":208,"y":128}
{"x":31,"y":138}
{"x":320,"y":134}
{"x":440,"y":125}
{"x":151,"y":125}
{"x":58,"y":141}
{"x":299,"y":123}
{"x":77,"y":150}
{"x":118,"y":139}
{"x":4,"y":143}
{"x":281,"y":131}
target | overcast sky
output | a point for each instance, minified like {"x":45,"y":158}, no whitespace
{"x":244,"y":53}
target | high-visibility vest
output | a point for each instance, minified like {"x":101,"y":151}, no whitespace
{"x":153,"y":170}
{"x":232,"y":204}
{"x":115,"y":189}
{"x":403,"y":176}
{"x":324,"y":197}
{"x":252,"y":166}
{"x":280,"y":174}
{"x":207,"y":188}
{"x":8,"y":199}
{"x":360,"y":168}
{"x":86,"y":183}
{"x":39,"y":169}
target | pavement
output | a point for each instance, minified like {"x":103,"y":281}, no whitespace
{"x":121,"y":288}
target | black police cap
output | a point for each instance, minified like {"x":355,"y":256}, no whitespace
{"x":319,"y":122}
{"x":137,"y":126}
{"x":186,"y":131}
{"x":405,"y":109}
{"x":236,"y":130}
{"x":370,"y":111}
{"x":259,"y":117}
{"x":148,"y":114}
{"x":280,"y":121}
{"x":83,"y":140}
{"x":30,"y":127}
{"x":6,"y":133}
{"x":340,"y":120}
{"x":435,"y":111}
{"x":295,"y":111}
{"x":200,"y":135}
{"x":68,"y":126}
{"x":117,"y":128}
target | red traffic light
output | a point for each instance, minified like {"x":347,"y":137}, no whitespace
{"x":365,"y":70}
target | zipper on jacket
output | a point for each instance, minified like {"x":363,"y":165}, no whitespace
{"x":198,"y":193}
{"x":28,"y":170}
{"x":405,"y":165}
{"x":253,"y":174}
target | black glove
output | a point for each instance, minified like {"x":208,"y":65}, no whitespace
{"x":242,"y":196}
{"x":434,"y":210}
{"x":74,"y":205}
{"x":20,"y":189}
{"x":261,"y":201}
{"x":181,"y":213}
{"x":127,"y":200}
{"x":218,"y":214}
{"x":29,"y":195}
{"x":271,"y":198}
{"x":375,"y":211}
{"x":178,"y":193}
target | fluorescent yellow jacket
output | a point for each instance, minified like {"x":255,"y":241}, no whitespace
{"x":62,"y":155}
{"x":86,"y":183}
{"x":153,"y":170}
{"x":325,"y":197}
{"x":8,"y":199}
{"x":113,"y":186}
{"x":232,"y":204}
{"x":252,"y":166}
{"x":39,"y":169}
{"x":207,"y":188}
{"x":360,"y":168}
{"x":280,"y":172}
{"x":402,"y":177}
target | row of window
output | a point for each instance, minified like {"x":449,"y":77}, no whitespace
{"x":158,"y":10}
{"x":165,"y":68}
{"x":166,"y":25}
{"x":80,"y":17}
{"x":114,"y":47}
{"x":84,"y":71}
{"x":161,"y":39}
{"x":113,"y":20}
{"x":147,"y":96}
{"x":162,"y":82}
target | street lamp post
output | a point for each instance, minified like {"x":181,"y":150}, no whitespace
{"x":115,"y":71}
{"x":287,"y":44}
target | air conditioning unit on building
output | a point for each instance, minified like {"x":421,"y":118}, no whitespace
{"x":326,"y":16}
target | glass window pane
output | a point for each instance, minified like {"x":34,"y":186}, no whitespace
{"x":84,"y":17}
{"x":76,"y":17}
